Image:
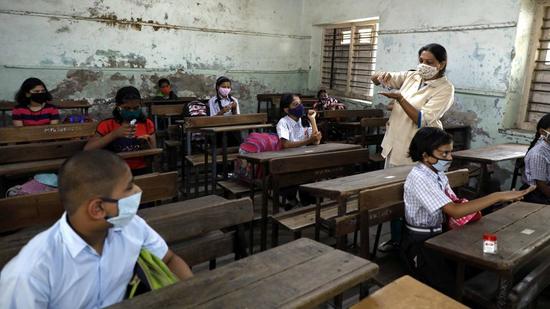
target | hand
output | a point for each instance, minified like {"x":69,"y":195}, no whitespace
{"x":315,"y":137}
{"x":225,"y":109}
{"x":514,"y":196}
{"x":146,"y":138}
{"x":125,"y":130}
{"x":381,"y":77}
{"x":392,"y":95}
{"x":311,"y":114}
{"x":233,"y":105}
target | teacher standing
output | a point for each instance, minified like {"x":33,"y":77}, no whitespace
{"x":424,"y":96}
{"x":421,"y":98}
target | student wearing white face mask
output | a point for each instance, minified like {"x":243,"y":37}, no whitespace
{"x":428,"y":199}
{"x":87,"y":258}
{"x":223,"y":103}
{"x":420,"y":99}
{"x":537,"y":164}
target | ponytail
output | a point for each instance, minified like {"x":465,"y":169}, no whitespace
{"x":544,"y":123}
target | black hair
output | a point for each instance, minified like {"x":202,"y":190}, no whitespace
{"x":286,"y":100}
{"x":219,"y":81}
{"x":320,"y":92}
{"x":163,"y":81}
{"x":426,"y":140}
{"x":89,"y":174}
{"x":439,"y":52}
{"x":21,"y":96}
{"x":544,"y":123}
{"x":124,"y":95}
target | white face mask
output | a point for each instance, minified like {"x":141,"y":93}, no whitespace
{"x":127,"y":209}
{"x":426,"y":71}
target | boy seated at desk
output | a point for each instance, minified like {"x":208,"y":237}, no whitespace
{"x":86,"y":259}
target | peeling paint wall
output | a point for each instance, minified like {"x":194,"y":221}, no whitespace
{"x":479,"y":37}
{"x":89,"y":49}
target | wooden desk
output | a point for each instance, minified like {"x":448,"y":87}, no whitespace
{"x":408,"y":293}
{"x":522,"y":231}
{"x":213,"y":133}
{"x":263,"y":159}
{"x":490,"y":155}
{"x":341,"y":189}
{"x":300,"y":274}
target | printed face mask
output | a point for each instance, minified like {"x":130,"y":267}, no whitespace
{"x":127,"y":209}
{"x":224,"y":91}
{"x":426,"y":71}
{"x":442,"y":165}
{"x":298,"y":111}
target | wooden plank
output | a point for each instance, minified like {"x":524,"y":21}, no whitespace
{"x":318,"y":161}
{"x":348,"y":113}
{"x":157,"y":186}
{"x":48,"y":132}
{"x":408,"y":293}
{"x":289,"y":152}
{"x":204,"y":247}
{"x":167,"y":110}
{"x":305,"y":274}
{"x":515,"y":247}
{"x":180,"y":221}
{"x":70,"y":104}
{"x":140,"y":153}
{"x":373,"y":122}
{"x":236,"y":128}
{"x":40,"y":151}
{"x":208,"y":121}
{"x":492,"y":154}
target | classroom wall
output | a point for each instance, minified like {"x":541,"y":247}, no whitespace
{"x":89,"y":49}
{"x":479,"y":37}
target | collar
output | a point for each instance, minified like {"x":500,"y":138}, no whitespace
{"x":73,"y":242}
{"x":544,"y":144}
{"x":430,"y":83}
{"x":428,"y":171}
{"x":294,"y":122}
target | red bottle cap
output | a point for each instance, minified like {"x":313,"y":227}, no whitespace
{"x":490,"y":237}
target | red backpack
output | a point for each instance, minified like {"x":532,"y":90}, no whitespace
{"x":254,"y":143}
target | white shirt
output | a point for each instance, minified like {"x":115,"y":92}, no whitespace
{"x":425,"y":196}
{"x":215,"y":107}
{"x":293,"y":131}
{"x":58,"y":269}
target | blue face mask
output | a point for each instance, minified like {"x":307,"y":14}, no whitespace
{"x":128,"y":115}
{"x":442,"y":165}
{"x":127,"y":209}
{"x":298,"y":111}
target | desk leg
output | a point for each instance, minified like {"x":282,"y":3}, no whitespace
{"x":317,"y":218}
{"x":263,"y":241}
{"x":484,"y":181}
{"x":214,"y":164}
{"x":224,"y":155}
{"x":185,"y":167}
{"x":275,"y":205}
{"x":342,"y":240}
{"x":504,"y":287}
{"x":253,"y":166}
{"x":459,"y":281}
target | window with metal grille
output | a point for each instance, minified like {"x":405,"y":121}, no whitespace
{"x":539,"y":93}
{"x":349,"y":59}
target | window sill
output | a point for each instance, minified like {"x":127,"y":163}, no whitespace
{"x":517,"y":133}
{"x":352,"y":100}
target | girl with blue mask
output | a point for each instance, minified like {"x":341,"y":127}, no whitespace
{"x":297,"y":129}
{"x":128,"y":130}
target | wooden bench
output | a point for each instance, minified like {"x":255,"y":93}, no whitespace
{"x":347,"y":120}
{"x":43,"y":208}
{"x":408,"y":293}
{"x":82,"y":105}
{"x":191,"y":228}
{"x":381,"y":205}
{"x":373,"y":130}
{"x":303,"y":169}
{"x":30,"y":134}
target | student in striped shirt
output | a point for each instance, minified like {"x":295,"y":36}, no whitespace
{"x":427,"y":198}
{"x":32,"y":107}
{"x":537,"y":164}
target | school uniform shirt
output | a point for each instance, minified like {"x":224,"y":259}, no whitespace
{"x":58,"y":269}
{"x":124,"y":144}
{"x":293,"y":131}
{"x":30,"y":118}
{"x":537,"y":163}
{"x":425,"y":196}
{"x":214,"y":107}
{"x":431,"y":98}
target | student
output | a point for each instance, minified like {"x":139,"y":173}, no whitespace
{"x":223,"y":104}
{"x":32,"y":107}
{"x":537,"y":164}
{"x":427,"y":201}
{"x":119,"y":135}
{"x":87,"y":258}
{"x":295,"y":129}
{"x":165,"y":90}
{"x":327,"y":103}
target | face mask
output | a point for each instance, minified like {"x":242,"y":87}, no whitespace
{"x":128,"y":115}
{"x":442,"y":165}
{"x":127,"y":209}
{"x":224,"y":91}
{"x":166,"y":90}
{"x":298,"y":111}
{"x":40,"y":97}
{"x":545,"y":136}
{"x":426,"y":71}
